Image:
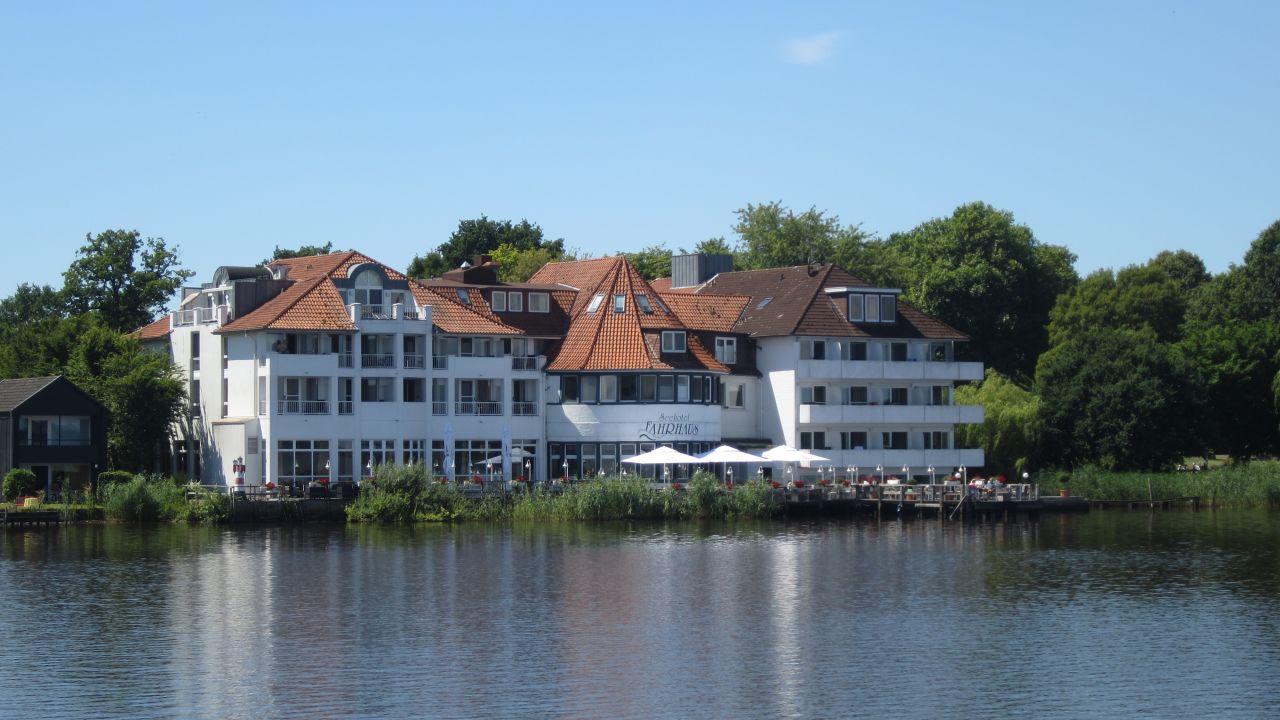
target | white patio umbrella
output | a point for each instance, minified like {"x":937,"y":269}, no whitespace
{"x":786,"y":453}
{"x":663,"y":455}
{"x":727,"y":454}
{"x":516,"y":454}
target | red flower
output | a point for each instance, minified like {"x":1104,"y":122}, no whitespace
{"x":845,"y":482}
{"x":799,"y":483}
{"x":776,"y":484}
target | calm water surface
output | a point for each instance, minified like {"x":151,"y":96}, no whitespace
{"x":1110,"y":614}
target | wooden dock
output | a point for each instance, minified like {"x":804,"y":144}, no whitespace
{"x":29,"y":517}
{"x":948,"y":501}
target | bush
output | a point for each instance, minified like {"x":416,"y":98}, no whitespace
{"x":132,"y":501}
{"x":107,"y":478}
{"x":19,"y":482}
{"x":156,"y":497}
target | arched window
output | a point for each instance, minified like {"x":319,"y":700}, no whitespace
{"x":369,"y":293}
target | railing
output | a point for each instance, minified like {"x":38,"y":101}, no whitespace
{"x":439,"y":362}
{"x":439,"y":407}
{"x":526,"y":362}
{"x":55,"y":442}
{"x":344,"y":360}
{"x":195,"y":316}
{"x":373,"y":312}
{"x":414,"y":361}
{"x":477,"y":408}
{"x":304,"y":407}
{"x":524,"y":409}
{"x":346,"y":407}
{"x":378,"y":360}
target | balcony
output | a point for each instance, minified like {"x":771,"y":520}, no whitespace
{"x":303,"y":407}
{"x":439,"y":362}
{"x":477,"y":408}
{"x":439,"y":407}
{"x":415,"y":361}
{"x":524,"y":409}
{"x":866,"y":460}
{"x":881,"y":370}
{"x":344,"y":360}
{"x":346,"y":407}
{"x":890,"y":414}
{"x":199,"y":316}
{"x":378,"y":360}
{"x":527,"y":362}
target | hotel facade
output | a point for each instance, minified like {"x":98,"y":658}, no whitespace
{"x":325,"y":367}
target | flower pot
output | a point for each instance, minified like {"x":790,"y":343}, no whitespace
{"x":1063,"y":492}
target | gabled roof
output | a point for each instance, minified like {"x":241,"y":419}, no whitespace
{"x":718,"y":313}
{"x":792,"y":301}
{"x":157,"y":330}
{"x":14,"y":392}
{"x":451,"y":316}
{"x":607,"y":340}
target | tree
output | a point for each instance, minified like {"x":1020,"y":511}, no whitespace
{"x":1235,"y":365}
{"x":1010,"y":431}
{"x":1184,"y":268}
{"x":126,"y":279}
{"x":651,"y":262}
{"x":986,"y":275}
{"x":1117,"y":399}
{"x":770,"y":235}
{"x":481,"y":237}
{"x":143,"y":391}
{"x":32,"y":303}
{"x":712,"y":246}
{"x":304,"y":251}
{"x":516,"y":265}
{"x":1137,"y":297}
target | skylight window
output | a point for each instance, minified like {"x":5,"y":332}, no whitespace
{"x":764,"y":303}
{"x":642,"y":302}
{"x":595,"y":303}
{"x":463,"y":296}
{"x":619,"y":303}
{"x":661,"y":305}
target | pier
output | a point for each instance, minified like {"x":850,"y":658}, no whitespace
{"x":945,"y":501}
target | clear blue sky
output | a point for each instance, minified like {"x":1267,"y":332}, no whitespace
{"x":1117,"y":129}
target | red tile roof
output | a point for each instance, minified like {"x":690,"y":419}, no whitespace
{"x":156,"y":330}
{"x":310,"y":304}
{"x":718,"y":313}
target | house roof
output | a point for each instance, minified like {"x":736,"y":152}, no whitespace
{"x":157,"y":330}
{"x":451,"y":316}
{"x":797,"y":305}
{"x":16,"y":391}
{"x":601,"y":339}
{"x":718,"y":313}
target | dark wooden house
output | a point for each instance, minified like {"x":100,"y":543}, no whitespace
{"x":50,"y":426}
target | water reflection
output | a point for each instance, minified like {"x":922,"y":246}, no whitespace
{"x":1103,"y":614}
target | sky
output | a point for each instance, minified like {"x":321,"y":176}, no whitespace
{"x":1117,"y":129}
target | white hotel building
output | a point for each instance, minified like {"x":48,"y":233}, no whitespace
{"x":327,"y":366}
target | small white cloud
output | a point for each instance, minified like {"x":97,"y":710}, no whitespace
{"x":813,"y":49}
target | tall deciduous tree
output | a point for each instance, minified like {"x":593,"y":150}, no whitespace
{"x":32,"y":303}
{"x":1118,"y":399}
{"x":516,"y":265}
{"x":1136,"y":297}
{"x":651,"y":262}
{"x":1010,"y":432}
{"x":481,"y":237}
{"x":126,"y":279}
{"x":988,"y":276}
{"x":1235,"y":365}
{"x":304,"y":251}
{"x":771,"y":235}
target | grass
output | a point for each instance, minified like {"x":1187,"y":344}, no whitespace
{"x":1255,"y":484}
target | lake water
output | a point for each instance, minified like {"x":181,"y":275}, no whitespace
{"x":1110,"y":614}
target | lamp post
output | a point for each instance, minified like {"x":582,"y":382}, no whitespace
{"x":729,"y":473}
{"x":526,"y":471}
{"x":906,"y":473}
{"x":930,"y":474}
{"x":964,"y":473}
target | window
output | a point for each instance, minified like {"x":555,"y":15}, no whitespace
{"x":940,"y":395}
{"x":853,"y":440}
{"x":813,"y":349}
{"x":346,"y":396}
{"x":813,"y":395}
{"x":619,"y":303}
{"x":727,"y":350}
{"x":673,"y":341}
{"x":589,"y":384}
{"x":368,"y":291}
{"x":608,"y":388}
{"x":439,"y":396}
{"x":415,"y":390}
{"x":666,"y":388}
{"x":697,"y":391}
{"x":498,"y":301}
{"x":195,"y":398}
{"x":872,"y":310}
{"x":853,"y":350}
{"x":595,"y":303}
{"x":302,"y":460}
{"x":938,"y":352}
{"x":856,"y":395}
{"x":855,"y":307}
{"x":642,"y":302}
{"x":648,"y":388}
{"x":937,"y":440}
{"x":569,"y":389}
{"x":764,"y":303}
{"x":734,"y":395}
{"x":628,"y":388}
{"x":682,"y":388}
{"x":539,"y":302}
{"x":898,"y":351}
{"x":894,"y":440}
{"x":463,"y":296}
{"x":813,"y":440}
{"x":661,"y":305}
{"x":515,"y":301}
{"x":195,"y":351}
{"x":377,"y":389}
{"x":888,"y":308}
{"x":895,"y":396}
{"x":374,"y":453}
{"x":415,"y":451}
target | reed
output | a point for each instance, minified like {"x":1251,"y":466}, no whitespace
{"x":1255,"y":484}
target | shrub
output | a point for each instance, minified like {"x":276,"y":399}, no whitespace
{"x":132,"y":501}
{"x":19,"y":482}
{"x":107,"y":478}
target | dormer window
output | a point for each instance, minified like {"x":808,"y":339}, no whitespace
{"x":873,"y":308}
{"x":595,"y":303}
{"x":368,"y":291}
{"x":642,"y":302}
{"x":673,"y":341}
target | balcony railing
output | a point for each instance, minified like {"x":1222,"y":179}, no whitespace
{"x":414,"y":361}
{"x":439,"y":362}
{"x":304,"y":407}
{"x":524,"y":409}
{"x":378,"y":360}
{"x":344,"y":360}
{"x":54,"y":442}
{"x":529,"y":362}
{"x":439,"y":407}
{"x":196,"y":316}
{"x":346,"y":407}
{"x":477,"y":408}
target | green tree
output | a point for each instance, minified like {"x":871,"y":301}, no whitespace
{"x":142,"y":390}
{"x":516,"y":265}
{"x":1235,"y":366}
{"x":1136,"y":297}
{"x":712,"y":246}
{"x":32,"y":303}
{"x":481,"y":237}
{"x":1010,"y":431}
{"x":1184,"y":268}
{"x":771,"y":235}
{"x":1118,"y":399}
{"x":304,"y":251}
{"x":651,"y":262}
{"x":126,"y":279}
{"x":987,"y":276}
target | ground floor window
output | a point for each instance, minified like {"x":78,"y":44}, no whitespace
{"x":374,"y":453}
{"x":415,"y":451}
{"x":593,"y":460}
{"x":302,"y":461}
